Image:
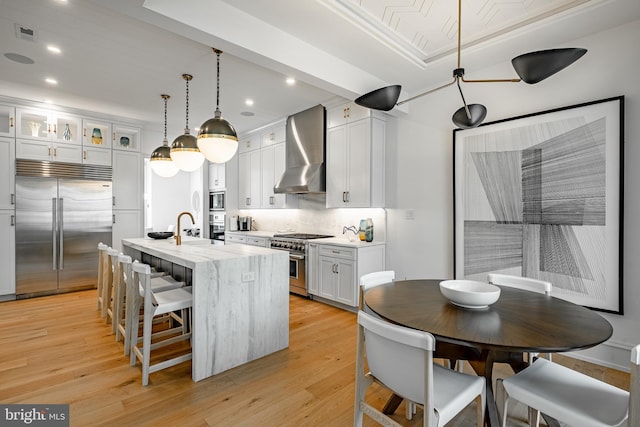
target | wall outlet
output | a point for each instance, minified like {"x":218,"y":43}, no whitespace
{"x":248,"y":276}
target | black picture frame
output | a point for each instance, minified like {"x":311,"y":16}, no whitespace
{"x":541,"y":196}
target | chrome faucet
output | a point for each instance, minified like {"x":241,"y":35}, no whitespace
{"x":177,"y":236}
{"x":350,"y":228}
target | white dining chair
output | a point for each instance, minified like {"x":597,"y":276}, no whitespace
{"x":371,"y":280}
{"x":524,"y":283}
{"x":401,"y":359}
{"x":572,"y":397}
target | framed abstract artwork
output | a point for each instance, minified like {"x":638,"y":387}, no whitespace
{"x":541,"y":196}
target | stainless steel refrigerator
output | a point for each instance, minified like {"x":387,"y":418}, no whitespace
{"x":60,"y":219}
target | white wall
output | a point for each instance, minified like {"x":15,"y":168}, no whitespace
{"x":170,"y":196}
{"x":419,"y":165}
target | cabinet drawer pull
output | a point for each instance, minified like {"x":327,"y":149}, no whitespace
{"x":10,"y":122}
{"x":84,"y":132}
{"x":13,"y":220}
{"x":335,"y":251}
{"x":114,"y":136}
{"x":55,"y":128}
{"x":55,"y":152}
{"x":48,"y":151}
{"x":84,"y":154}
{"x":13,"y":199}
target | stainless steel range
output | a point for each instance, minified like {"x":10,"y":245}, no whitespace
{"x":297,"y":245}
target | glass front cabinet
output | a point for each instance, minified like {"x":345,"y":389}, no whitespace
{"x":48,"y":126}
{"x":7,"y":121}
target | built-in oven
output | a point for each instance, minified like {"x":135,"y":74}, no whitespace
{"x":216,"y":201}
{"x":296,"y":244}
{"x":216,"y":227}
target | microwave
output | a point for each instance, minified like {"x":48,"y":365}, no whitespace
{"x":216,"y":201}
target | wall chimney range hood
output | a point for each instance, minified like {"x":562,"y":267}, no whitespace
{"x":305,"y":144}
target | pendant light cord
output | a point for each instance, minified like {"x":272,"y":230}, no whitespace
{"x":187,"y":125}
{"x":218,"y":81}
{"x":164,"y":140}
{"x":165,"y":119}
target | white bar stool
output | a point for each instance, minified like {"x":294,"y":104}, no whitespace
{"x":102,"y":266}
{"x":155,"y":304}
{"x":128,"y":298}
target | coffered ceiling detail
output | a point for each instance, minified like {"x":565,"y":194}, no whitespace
{"x":422,"y":31}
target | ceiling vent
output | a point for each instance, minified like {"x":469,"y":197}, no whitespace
{"x":25,"y":33}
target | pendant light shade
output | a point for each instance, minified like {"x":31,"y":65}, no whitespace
{"x":383,"y":99}
{"x":477,"y":113}
{"x":160,"y":161}
{"x":533,"y":67}
{"x":184,"y":149}
{"x":217,"y":138}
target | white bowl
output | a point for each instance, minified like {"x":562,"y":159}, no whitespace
{"x":469,"y":293}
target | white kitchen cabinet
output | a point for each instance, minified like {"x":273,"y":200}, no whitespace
{"x":7,"y":121}
{"x":217,"y":179}
{"x":126,"y":224}
{"x":339,"y":269}
{"x":7,"y":173}
{"x":96,"y":133}
{"x":355,"y":164}
{"x":258,"y":241}
{"x":346,"y":113}
{"x":231,"y":238}
{"x":274,"y":134}
{"x":249,"y":179}
{"x":127,"y":180}
{"x":249,"y":142}
{"x":45,"y":125}
{"x":125,"y":137}
{"x":50,"y":151}
{"x":336,"y":278}
{"x":234,"y":238}
{"x":8,"y":252}
{"x":96,"y":156}
{"x":273,"y":165}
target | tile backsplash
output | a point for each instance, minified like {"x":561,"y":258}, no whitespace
{"x":313,"y":217}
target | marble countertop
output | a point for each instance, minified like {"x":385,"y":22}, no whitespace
{"x":339,"y":241}
{"x":193,"y":250}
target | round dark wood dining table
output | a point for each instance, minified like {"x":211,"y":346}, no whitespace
{"x":520,"y":321}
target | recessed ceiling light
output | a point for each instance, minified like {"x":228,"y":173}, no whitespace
{"x":51,"y":81}
{"x":248,"y":102}
{"x":247,"y":113}
{"x":21,"y":59}
{"x":291,"y":81}
{"x":53,"y":49}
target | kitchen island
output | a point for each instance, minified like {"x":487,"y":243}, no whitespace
{"x":240,"y":299}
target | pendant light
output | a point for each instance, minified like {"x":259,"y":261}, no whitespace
{"x":184,"y":149}
{"x":161,"y":162}
{"x":531,"y":67}
{"x":217,"y":138}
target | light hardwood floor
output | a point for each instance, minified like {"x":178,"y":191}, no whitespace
{"x":57,"y":349}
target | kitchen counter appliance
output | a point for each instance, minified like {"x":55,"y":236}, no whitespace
{"x":217,"y":227}
{"x":63,"y":211}
{"x":297,"y":245}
